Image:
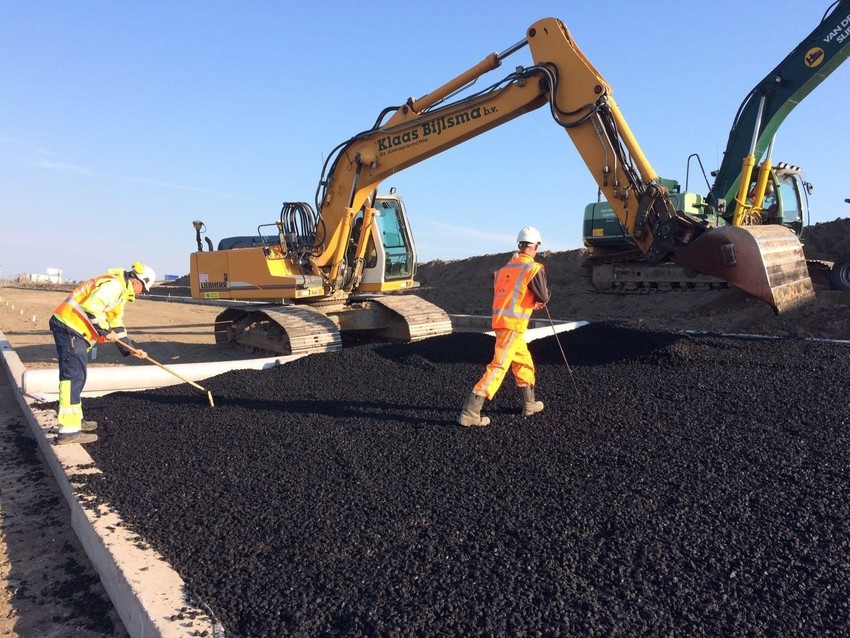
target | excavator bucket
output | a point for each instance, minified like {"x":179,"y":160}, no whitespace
{"x":764,"y":261}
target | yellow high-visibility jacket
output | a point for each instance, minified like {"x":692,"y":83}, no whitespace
{"x":97,"y":306}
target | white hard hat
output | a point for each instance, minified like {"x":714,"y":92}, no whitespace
{"x":529,"y":235}
{"x":144,"y":274}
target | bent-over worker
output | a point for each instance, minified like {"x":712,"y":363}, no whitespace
{"x":520,"y":287}
{"x":91,"y":314}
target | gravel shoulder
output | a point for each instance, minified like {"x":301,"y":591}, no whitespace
{"x":47,"y":585}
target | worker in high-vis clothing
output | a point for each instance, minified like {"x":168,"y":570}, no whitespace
{"x":520,"y":288}
{"x":93,"y":313}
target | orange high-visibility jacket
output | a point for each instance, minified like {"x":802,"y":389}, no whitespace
{"x":512,"y":300}
{"x":97,"y":306}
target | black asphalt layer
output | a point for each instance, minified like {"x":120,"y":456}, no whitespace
{"x":694,"y":486}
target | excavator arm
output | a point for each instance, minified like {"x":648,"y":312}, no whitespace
{"x":771,"y":100}
{"x":768,"y":264}
{"x":582,"y":104}
{"x":413,"y":134}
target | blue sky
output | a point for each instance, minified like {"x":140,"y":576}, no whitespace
{"x":120,"y":122}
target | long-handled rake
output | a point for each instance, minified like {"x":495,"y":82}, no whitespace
{"x":169,"y":370}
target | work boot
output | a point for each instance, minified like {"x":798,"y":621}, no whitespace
{"x":76,"y":437}
{"x":471,"y":414}
{"x":529,"y":405}
{"x":88,"y":426}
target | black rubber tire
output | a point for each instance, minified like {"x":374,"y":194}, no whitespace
{"x":839,"y":276}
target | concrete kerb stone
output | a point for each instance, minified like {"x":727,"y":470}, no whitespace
{"x":148,"y":595}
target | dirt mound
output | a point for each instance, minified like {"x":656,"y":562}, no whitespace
{"x":465,"y":287}
{"x":829,"y":241}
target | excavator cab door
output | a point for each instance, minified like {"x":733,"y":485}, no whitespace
{"x":792,"y":202}
{"x":390,"y":253}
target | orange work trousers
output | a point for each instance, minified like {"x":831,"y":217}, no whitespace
{"x":511,"y":352}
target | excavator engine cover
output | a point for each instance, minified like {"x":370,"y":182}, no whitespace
{"x":764,"y":261}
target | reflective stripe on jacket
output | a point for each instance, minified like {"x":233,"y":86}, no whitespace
{"x":512,"y":300}
{"x":97,"y":306}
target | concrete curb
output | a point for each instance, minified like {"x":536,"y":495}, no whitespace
{"x":149,"y":596}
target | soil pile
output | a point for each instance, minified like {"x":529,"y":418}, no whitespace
{"x":465,"y":287}
{"x":693,"y":485}
{"x":829,"y":241}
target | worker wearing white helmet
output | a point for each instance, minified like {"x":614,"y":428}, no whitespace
{"x":520,"y":288}
{"x":91,"y":314}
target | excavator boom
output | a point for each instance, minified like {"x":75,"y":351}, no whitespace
{"x":340,"y":260}
{"x":582,"y":103}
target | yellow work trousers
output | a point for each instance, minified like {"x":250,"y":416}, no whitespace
{"x":511,"y":352}
{"x":70,"y":414}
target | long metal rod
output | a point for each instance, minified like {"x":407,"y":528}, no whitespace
{"x":555,"y":332}
{"x":513,"y":49}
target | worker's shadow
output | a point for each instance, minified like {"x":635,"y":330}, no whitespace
{"x":354,"y":413}
{"x":231,"y":411}
{"x":600,"y":344}
{"x":456,"y":348}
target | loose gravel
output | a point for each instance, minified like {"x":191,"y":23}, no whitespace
{"x":688,"y":485}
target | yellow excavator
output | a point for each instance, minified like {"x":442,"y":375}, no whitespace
{"x":336,"y":268}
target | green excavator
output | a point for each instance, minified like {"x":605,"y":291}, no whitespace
{"x":746,"y":191}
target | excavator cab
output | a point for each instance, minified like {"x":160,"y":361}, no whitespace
{"x":390,"y":251}
{"x":791,"y":203}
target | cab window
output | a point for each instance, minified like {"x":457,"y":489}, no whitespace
{"x":792,"y":213}
{"x":399,"y":255}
